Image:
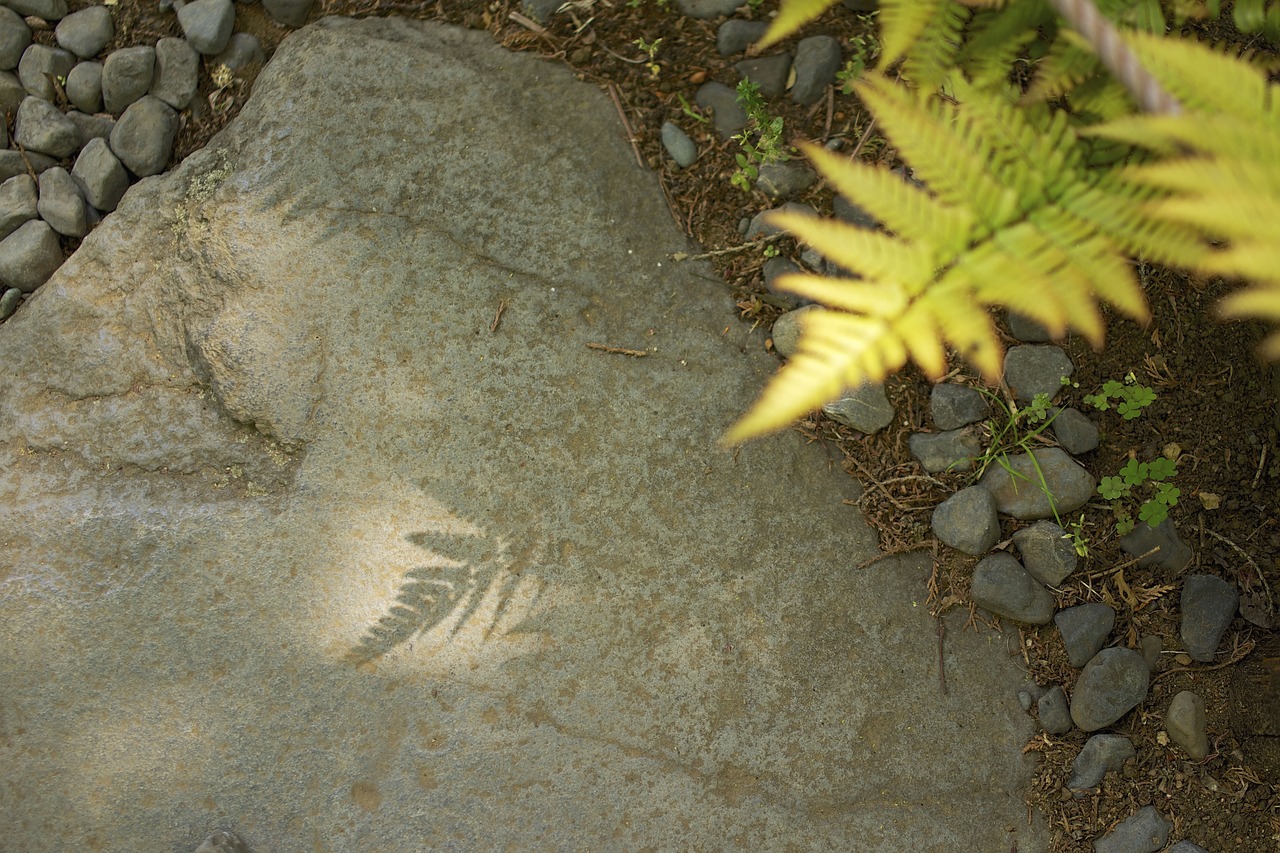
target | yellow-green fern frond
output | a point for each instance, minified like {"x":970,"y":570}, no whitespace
{"x":997,"y":37}
{"x":931,"y":61}
{"x":1219,"y":176}
{"x":903,"y":22}
{"x":792,"y":15}
{"x":1006,"y":218}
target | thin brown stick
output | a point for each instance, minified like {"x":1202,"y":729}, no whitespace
{"x":866,"y":134}
{"x":1248,"y":559}
{"x":1243,"y":650}
{"x":1085,"y":19}
{"x":527,"y":23}
{"x":497,"y":317}
{"x":622,"y":114}
{"x":634,"y":353}
{"x":1262,"y":460}
{"x":877,"y":483}
{"x":1126,"y":564}
{"x":754,"y":244}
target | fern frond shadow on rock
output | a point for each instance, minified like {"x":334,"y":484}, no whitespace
{"x":452,"y":588}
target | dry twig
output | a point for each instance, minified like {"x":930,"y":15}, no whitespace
{"x":634,"y":353}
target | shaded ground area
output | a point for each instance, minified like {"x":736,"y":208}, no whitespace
{"x":1215,"y":403}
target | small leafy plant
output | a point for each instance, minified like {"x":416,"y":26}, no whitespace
{"x":1016,"y":430}
{"x":864,"y":49}
{"x":1138,"y":480}
{"x":1130,"y":397}
{"x":650,"y":49}
{"x":760,"y":140}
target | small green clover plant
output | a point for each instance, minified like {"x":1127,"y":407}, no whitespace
{"x":1137,"y":480}
{"x":1131,"y":398}
{"x":864,"y":50}
{"x":760,"y":140}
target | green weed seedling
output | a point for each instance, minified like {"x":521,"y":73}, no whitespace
{"x":651,"y":50}
{"x":760,"y":140}
{"x":1136,"y":481}
{"x":1016,"y":430}
{"x":864,"y":49}
{"x":1130,"y":397}
{"x":689,"y":110}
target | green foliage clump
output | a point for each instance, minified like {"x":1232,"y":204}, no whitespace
{"x":760,"y":140}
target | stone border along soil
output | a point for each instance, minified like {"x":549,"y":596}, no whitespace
{"x":121,"y":128}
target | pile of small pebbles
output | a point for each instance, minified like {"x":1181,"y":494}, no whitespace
{"x":87,"y":123}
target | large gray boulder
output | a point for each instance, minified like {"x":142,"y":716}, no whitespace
{"x":303,"y":541}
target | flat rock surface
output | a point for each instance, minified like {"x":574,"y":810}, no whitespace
{"x":267,"y":399}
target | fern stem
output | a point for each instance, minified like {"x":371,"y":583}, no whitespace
{"x":1085,"y":19}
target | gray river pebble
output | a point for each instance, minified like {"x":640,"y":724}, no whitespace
{"x":126,"y":77}
{"x":1036,"y":369}
{"x":1084,"y":629}
{"x":817,"y":61}
{"x":1047,"y":552}
{"x":1110,"y":686}
{"x":1145,"y":832}
{"x":87,"y":32}
{"x":61,"y":204}
{"x":18,"y":200}
{"x":1002,"y":585}
{"x":84,"y":87}
{"x":1208,"y":605}
{"x":967,"y":521}
{"x":1100,"y":755}
{"x":15,"y":36}
{"x":954,"y":406}
{"x":177,"y":72}
{"x":29,"y":256}
{"x":866,"y":408}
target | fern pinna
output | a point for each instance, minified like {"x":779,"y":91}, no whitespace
{"x":1010,"y":214}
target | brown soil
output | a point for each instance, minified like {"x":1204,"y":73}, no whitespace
{"x":1216,"y":403}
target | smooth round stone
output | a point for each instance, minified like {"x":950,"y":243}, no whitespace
{"x":1101,"y":754}
{"x":38,"y":64}
{"x":786,"y":331}
{"x":15,"y":37}
{"x":84,"y":87}
{"x":967,"y":521}
{"x":1055,"y":717}
{"x":294,"y":13}
{"x":817,"y":61}
{"x":87,"y":32}
{"x":61,"y":204}
{"x":18,"y":202}
{"x":126,"y":77}
{"x":785,"y":180}
{"x":1048,"y":554}
{"x":207,"y":24}
{"x":953,"y":450}
{"x":143,"y":137}
{"x":1084,"y":629}
{"x":1208,"y":605}
{"x":1036,"y":369}
{"x":100,"y":175}
{"x":1022,"y":495}
{"x":707,"y":8}
{"x":954,"y":406}
{"x":29,"y":256}
{"x":1145,"y":832}
{"x":736,"y":35}
{"x":866,"y":408}
{"x":726,"y":115}
{"x":1074,"y":431}
{"x":1002,"y":586}
{"x":679,"y":145}
{"x":177,"y":72}
{"x":1185,"y":723}
{"x":243,"y":50}
{"x":9,"y":302}
{"x":42,"y":127}
{"x":767,"y":72}
{"x":1111,"y":685}
{"x":49,"y":10}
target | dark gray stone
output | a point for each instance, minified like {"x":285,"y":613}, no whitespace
{"x":143,"y":137}
{"x":785,"y":179}
{"x":1111,"y":685}
{"x":1185,"y":723}
{"x":1027,"y":330}
{"x":774,"y":268}
{"x":11,"y":92}
{"x":953,"y":450}
{"x":786,"y":331}
{"x":15,"y":36}
{"x":861,"y":5}
{"x":1208,"y":605}
{"x":91,"y":126}
{"x":29,"y":256}
{"x":1084,"y":629}
{"x":1023,"y":495}
{"x":126,"y":77}
{"x":865,"y":408}
{"x":1054,"y":714}
{"x":9,"y":302}
{"x":954,"y":406}
{"x":679,"y":145}
{"x":1101,"y":754}
{"x":727,"y":117}
{"x":18,"y":200}
{"x":1173,"y":555}
{"x":767,"y":72}
{"x":177,"y":72}
{"x":40,"y":62}
{"x":1047,"y":553}
{"x":87,"y":32}
{"x":1036,"y":369}
{"x":817,"y":61}
{"x":243,"y":51}
{"x":294,"y":13}
{"x":761,"y":227}
{"x":100,"y":175}
{"x":1187,"y":847}
{"x":1152,"y":646}
{"x":736,"y":35}
{"x":851,"y":213}
{"x":1003,"y":586}
{"x":1145,"y":832}
{"x":207,"y":24}
{"x":1074,"y":431}
{"x":61,"y":204}
{"x":13,"y":163}
{"x":84,"y":87}
{"x":41,"y":127}
{"x":50,"y":10}
{"x":707,"y":9}
{"x":540,"y":10}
